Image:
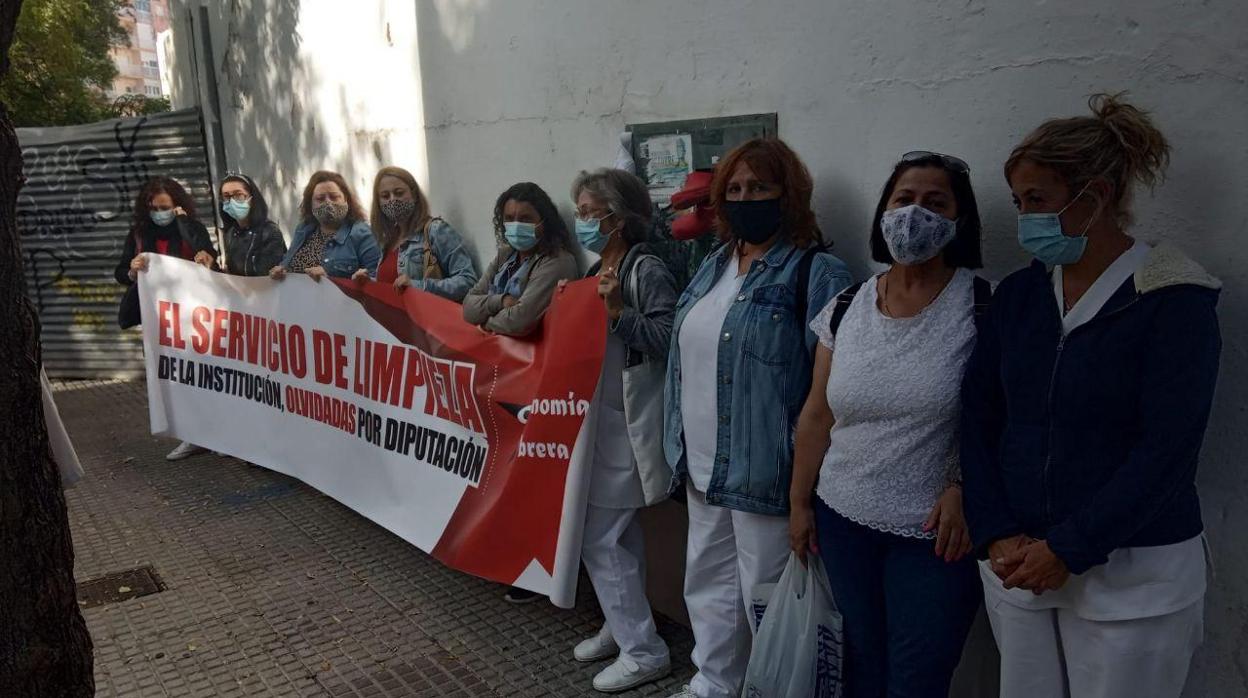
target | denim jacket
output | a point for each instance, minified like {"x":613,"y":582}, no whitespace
{"x":764,"y":367}
{"x":458,"y":273}
{"x":532,"y":283}
{"x":351,"y":248}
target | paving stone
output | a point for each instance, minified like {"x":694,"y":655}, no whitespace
{"x":274,"y":589}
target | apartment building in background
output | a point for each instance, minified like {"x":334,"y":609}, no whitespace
{"x":139,"y":65}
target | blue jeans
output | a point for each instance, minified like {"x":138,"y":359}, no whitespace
{"x":907,"y":612}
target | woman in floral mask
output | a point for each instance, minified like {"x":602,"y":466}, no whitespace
{"x":418,"y":250}
{"x":333,"y":237}
{"x":879,"y":435}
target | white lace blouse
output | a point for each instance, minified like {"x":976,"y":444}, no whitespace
{"x":894,"y":389}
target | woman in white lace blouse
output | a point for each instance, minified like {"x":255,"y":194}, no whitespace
{"x":879,"y":433}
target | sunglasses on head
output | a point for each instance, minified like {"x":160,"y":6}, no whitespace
{"x":954,"y":164}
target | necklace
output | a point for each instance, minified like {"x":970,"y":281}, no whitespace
{"x":884,"y":296}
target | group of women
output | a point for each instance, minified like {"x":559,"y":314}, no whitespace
{"x":933,"y":444}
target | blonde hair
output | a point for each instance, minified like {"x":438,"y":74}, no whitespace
{"x":389,"y":233}
{"x":1118,"y":144}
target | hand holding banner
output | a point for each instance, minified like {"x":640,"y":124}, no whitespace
{"x":461,"y":442}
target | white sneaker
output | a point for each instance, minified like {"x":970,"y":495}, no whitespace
{"x":685,"y":692}
{"x":600,"y":646}
{"x":186,"y":449}
{"x":624,"y":673}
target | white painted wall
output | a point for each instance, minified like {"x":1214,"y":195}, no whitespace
{"x":474,"y":95}
{"x":306,"y":86}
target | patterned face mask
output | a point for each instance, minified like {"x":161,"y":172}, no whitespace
{"x":914,"y":234}
{"x":330,"y":213}
{"x":397,"y":209}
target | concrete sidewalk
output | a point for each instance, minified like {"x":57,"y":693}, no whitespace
{"x":273,"y":589}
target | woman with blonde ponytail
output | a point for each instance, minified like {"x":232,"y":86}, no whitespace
{"x":419,"y":250}
{"x":1085,"y":403}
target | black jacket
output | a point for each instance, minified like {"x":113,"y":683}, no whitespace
{"x":190,"y":232}
{"x":253,"y":252}
{"x":1091,"y":440}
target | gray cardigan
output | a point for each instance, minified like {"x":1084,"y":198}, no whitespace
{"x":647,"y":329}
{"x":486,"y":309}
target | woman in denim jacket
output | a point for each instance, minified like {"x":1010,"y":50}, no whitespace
{"x":737,"y":374}
{"x":629,"y":471}
{"x":419,"y":250}
{"x":332,"y":237}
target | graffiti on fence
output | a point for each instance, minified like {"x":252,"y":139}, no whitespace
{"x":93,"y":299}
{"x":81,"y":187}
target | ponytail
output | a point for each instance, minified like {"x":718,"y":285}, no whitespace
{"x":1118,"y":144}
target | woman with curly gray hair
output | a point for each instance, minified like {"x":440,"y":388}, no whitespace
{"x":629,"y":470}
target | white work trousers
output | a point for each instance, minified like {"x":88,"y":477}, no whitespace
{"x":1053,"y":652}
{"x":614,"y":555}
{"x":729,"y":552}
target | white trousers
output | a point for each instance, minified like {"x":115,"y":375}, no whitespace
{"x":1052,"y":652}
{"x":729,"y":552}
{"x":614,"y":555}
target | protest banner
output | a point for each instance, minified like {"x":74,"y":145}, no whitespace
{"x":471,"y":446}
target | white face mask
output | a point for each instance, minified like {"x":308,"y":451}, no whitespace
{"x":914,"y":234}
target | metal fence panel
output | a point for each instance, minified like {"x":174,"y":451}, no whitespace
{"x":73,"y":215}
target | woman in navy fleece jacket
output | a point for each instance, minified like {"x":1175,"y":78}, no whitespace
{"x":1085,"y":404}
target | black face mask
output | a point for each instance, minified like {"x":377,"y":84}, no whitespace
{"x":754,"y":222}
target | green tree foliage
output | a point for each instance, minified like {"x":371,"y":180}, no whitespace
{"x":138,"y":105}
{"x":60,"y":61}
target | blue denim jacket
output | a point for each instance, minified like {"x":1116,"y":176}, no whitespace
{"x":352,"y":247}
{"x":509,"y":281}
{"x":764,"y":367}
{"x":458,"y":273}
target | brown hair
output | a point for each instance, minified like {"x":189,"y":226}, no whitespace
{"x":1118,"y":144}
{"x":354,"y":212}
{"x":139,"y":220}
{"x":772,"y":160}
{"x":624,"y":194}
{"x":389,"y":232}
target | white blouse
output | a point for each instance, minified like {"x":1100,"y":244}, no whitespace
{"x":895,"y":390}
{"x":699,"y":339}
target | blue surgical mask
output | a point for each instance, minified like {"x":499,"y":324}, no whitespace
{"x":162,"y":218}
{"x":521,"y":236}
{"x":589,"y":232}
{"x":237,"y":210}
{"x":1042,"y":236}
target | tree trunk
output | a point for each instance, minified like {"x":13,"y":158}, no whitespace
{"x":45,"y":649}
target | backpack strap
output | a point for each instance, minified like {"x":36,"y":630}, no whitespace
{"x":803,"y":281}
{"x":632,"y":297}
{"x":982,"y":295}
{"x":843,"y":300}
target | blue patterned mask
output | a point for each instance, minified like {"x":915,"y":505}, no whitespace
{"x":914,"y":234}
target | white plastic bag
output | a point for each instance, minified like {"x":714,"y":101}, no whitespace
{"x":760,"y":596}
{"x":798,"y":647}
